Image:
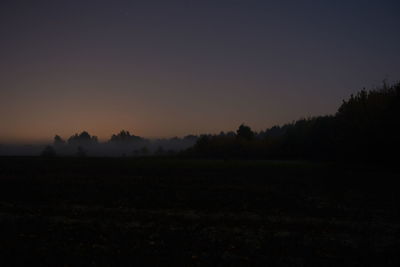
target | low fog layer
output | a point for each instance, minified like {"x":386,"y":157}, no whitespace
{"x":84,"y":144}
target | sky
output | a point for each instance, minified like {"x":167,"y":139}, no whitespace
{"x":172,"y":68}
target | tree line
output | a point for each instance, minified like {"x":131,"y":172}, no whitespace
{"x":121,"y":144}
{"x":365,"y":127}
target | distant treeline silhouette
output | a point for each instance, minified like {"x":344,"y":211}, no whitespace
{"x":122,"y":144}
{"x":365,"y":127}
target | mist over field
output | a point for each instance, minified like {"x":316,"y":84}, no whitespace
{"x":142,"y":147}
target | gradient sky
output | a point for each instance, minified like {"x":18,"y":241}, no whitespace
{"x":166,"y":68}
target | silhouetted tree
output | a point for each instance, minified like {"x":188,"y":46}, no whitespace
{"x":83,"y":138}
{"x":245,"y":132}
{"x":124,"y":137}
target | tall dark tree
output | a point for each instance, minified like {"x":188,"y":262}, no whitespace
{"x":245,"y":132}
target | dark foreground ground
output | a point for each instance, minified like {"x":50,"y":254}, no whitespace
{"x":151,"y":212}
